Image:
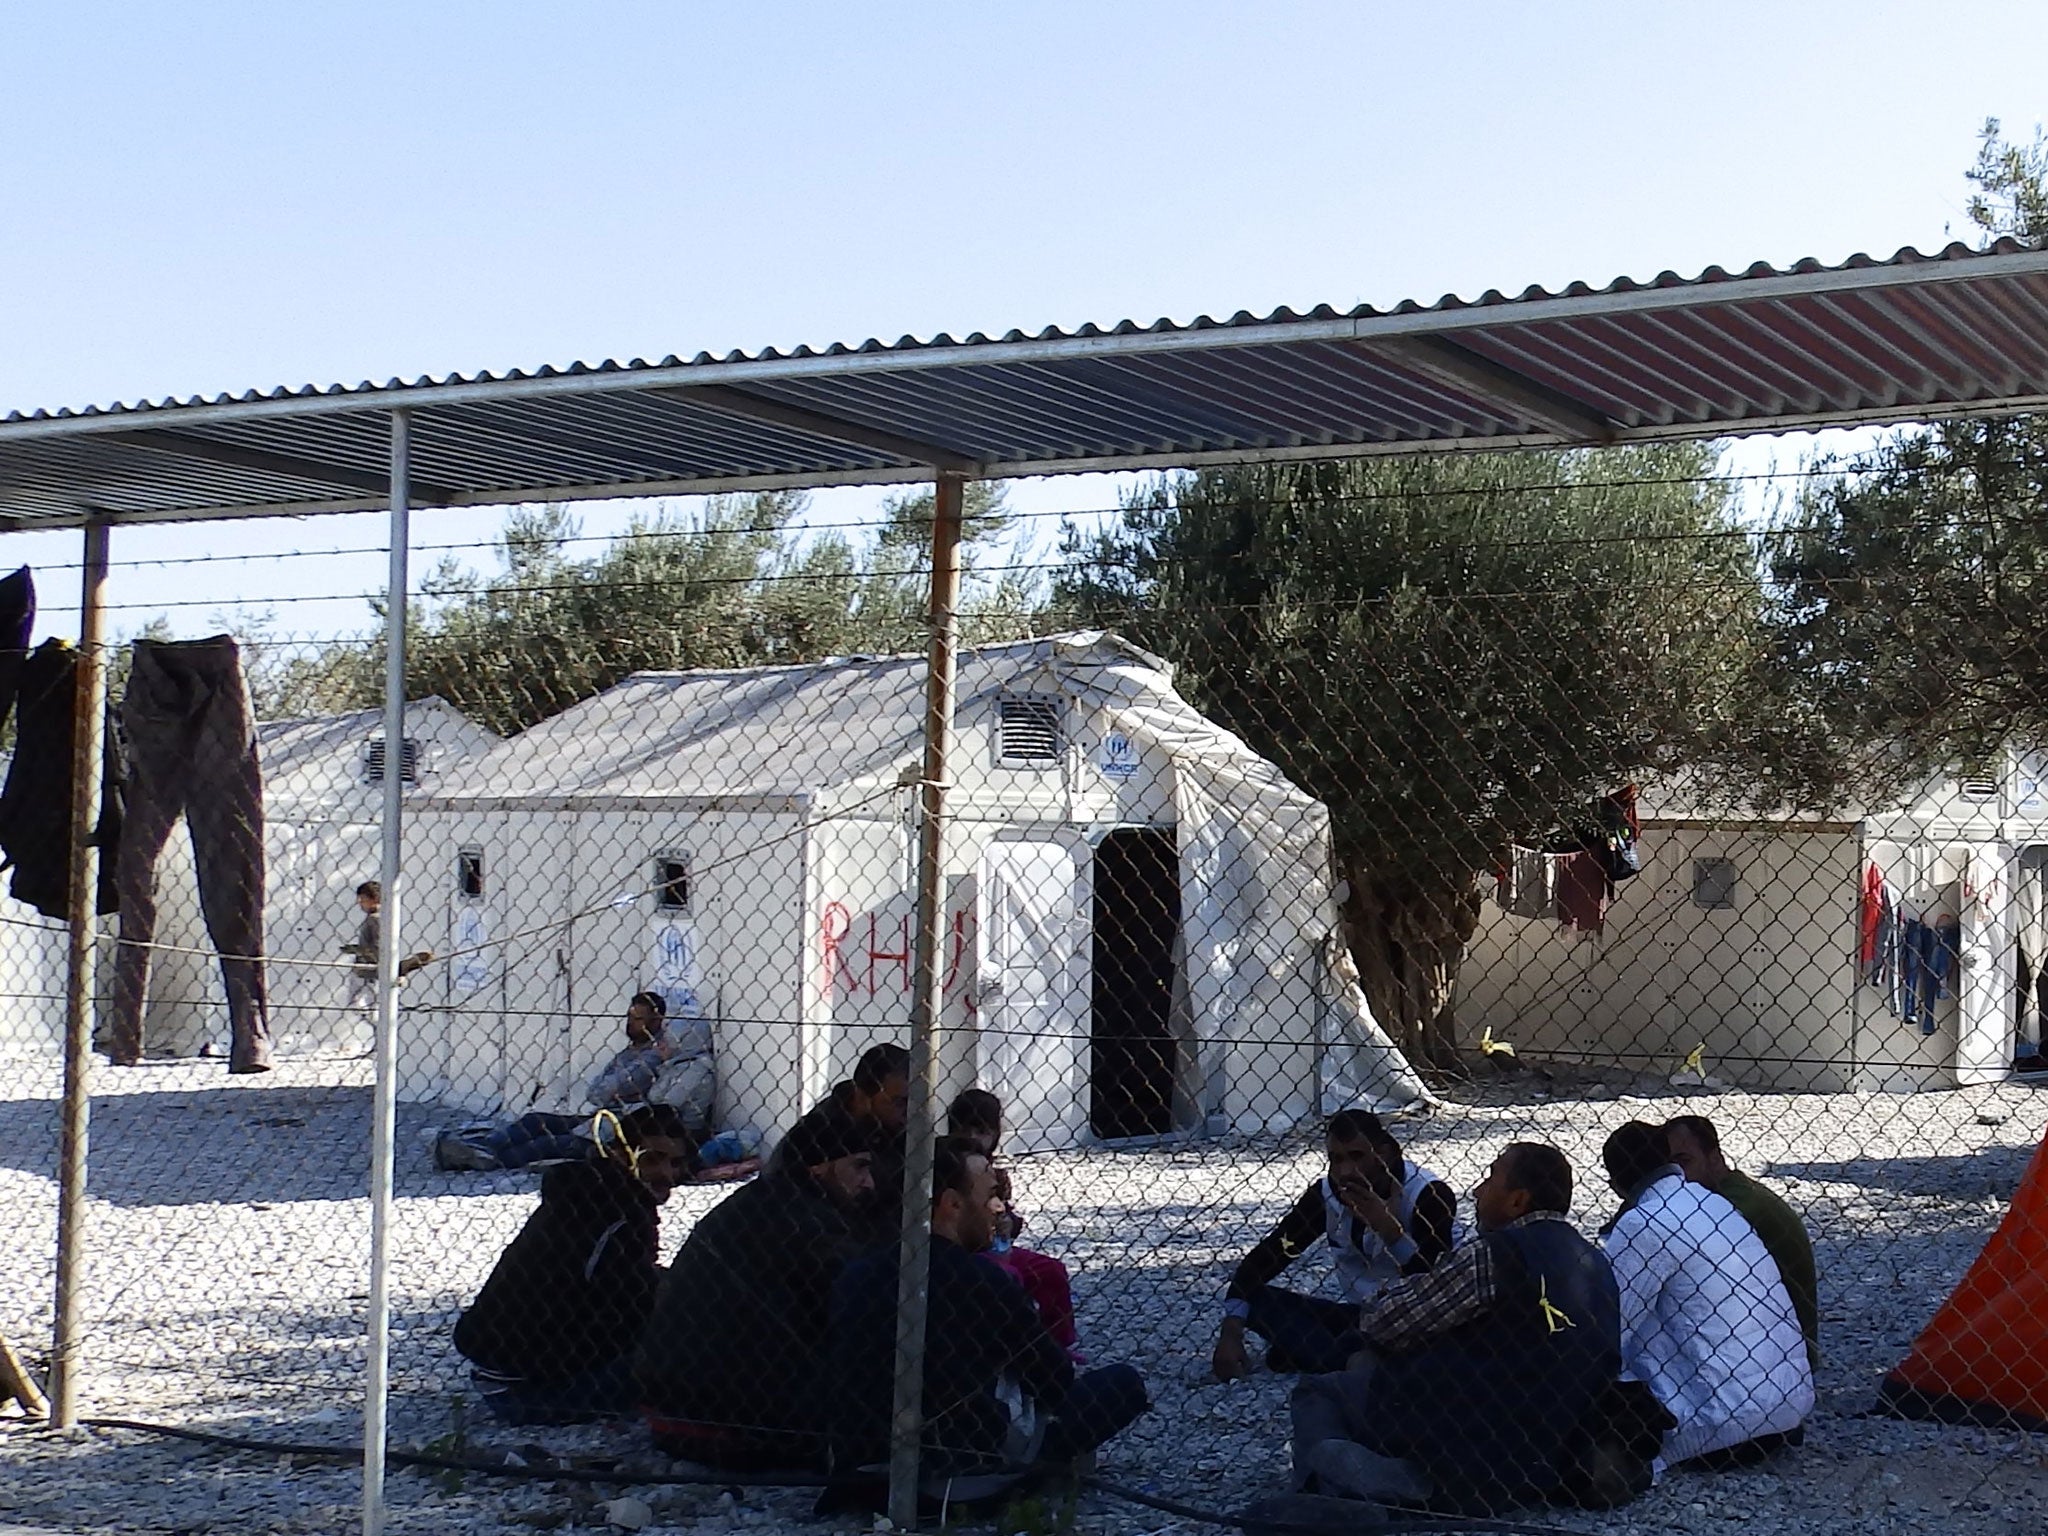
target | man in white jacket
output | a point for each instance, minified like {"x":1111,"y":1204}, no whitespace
{"x":1706,"y":1321}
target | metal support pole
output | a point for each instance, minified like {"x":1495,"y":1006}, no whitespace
{"x":914,"y":1254}
{"x":384,"y":1102}
{"x":87,"y":743}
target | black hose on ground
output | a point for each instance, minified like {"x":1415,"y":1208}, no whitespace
{"x":1402,"y":1523}
{"x":1345,"y":1516}
{"x":530,"y":1472}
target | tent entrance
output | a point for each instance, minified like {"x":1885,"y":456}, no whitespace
{"x":1136,"y":921}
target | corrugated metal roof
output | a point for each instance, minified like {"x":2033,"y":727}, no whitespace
{"x":1721,"y":353}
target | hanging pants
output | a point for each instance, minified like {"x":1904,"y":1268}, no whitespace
{"x":192,"y":752}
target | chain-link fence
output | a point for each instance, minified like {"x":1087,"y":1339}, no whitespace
{"x":1578,"y":802}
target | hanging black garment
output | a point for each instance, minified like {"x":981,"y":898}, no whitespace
{"x":35,"y":806}
{"x":17,"y":622}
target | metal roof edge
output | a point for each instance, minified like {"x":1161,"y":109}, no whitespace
{"x":1956,"y":264}
{"x":1902,"y":413}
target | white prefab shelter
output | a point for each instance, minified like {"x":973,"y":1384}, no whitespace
{"x":323,"y":782}
{"x":1743,"y":935}
{"x":1138,"y":909}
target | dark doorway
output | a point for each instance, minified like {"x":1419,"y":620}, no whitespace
{"x":1136,"y":918}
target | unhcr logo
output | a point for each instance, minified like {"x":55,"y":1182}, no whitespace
{"x":1119,"y":756}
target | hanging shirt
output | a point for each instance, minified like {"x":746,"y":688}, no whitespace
{"x":1706,"y":1321}
{"x":1526,"y":888}
{"x":1870,"y":918}
{"x":1582,"y":892}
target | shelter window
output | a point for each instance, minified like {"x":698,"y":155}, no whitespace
{"x":1979,"y":782}
{"x":469,"y":874}
{"x":408,"y":761}
{"x":1714,"y":884}
{"x":671,"y":882}
{"x":1028,"y":731}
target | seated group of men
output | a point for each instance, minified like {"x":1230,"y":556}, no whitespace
{"x":1524,"y":1365}
{"x":770,"y":1340}
{"x":1529,"y":1365}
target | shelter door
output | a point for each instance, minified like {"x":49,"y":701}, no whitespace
{"x":1033,"y":1009}
{"x":1137,"y":912}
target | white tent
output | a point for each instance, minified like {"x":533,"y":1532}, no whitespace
{"x":1137,"y":913}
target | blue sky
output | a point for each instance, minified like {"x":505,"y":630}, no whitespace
{"x":220,"y":196}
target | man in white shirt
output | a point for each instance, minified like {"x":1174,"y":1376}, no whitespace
{"x":1706,"y":1321}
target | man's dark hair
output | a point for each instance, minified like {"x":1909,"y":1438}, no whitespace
{"x":653,"y":1001}
{"x":976,"y":1109}
{"x":949,"y":1167}
{"x":1634,"y":1152}
{"x":1356,"y":1125}
{"x":879,"y":1063}
{"x":1700,"y":1129}
{"x":1543,"y":1173}
{"x":371,"y":888}
{"x":825,"y":1135}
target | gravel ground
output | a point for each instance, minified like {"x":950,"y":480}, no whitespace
{"x":230,"y":1242}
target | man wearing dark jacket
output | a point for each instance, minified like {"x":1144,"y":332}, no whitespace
{"x":1382,"y":1216}
{"x":1481,"y":1374}
{"x":728,"y":1365}
{"x":551,"y":1333}
{"x":998,"y":1391}
{"x":877,"y":1097}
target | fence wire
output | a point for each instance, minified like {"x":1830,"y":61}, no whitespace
{"x":1419,"y":955}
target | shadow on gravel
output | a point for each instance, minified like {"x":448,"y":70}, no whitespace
{"x":1993,"y":1172}
{"x":229,"y":1145}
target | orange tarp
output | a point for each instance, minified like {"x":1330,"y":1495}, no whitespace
{"x":1984,"y":1357}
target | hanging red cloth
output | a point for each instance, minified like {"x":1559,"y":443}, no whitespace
{"x":1582,"y":892}
{"x":1870,"y":915}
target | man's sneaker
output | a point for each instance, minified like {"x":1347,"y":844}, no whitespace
{"x":452,"y":1154}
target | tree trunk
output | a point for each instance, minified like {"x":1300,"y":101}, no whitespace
{"x":1408,"y":940}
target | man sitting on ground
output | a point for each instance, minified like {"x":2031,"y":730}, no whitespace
{"x":1706,"y":1321}
{"x":1383,"y":1216}
{"x":543,"y":1136}
{"x":1696,"y":1148}
{"x":551,"y":1333}
{"x":727,"y":1366}
{"x":999,"y":1393}
{"x":877,"y":1096}
{"x":976,"y":1120}
{"x":1479,"y":1375}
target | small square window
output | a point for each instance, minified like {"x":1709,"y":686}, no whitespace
{"x":1028,"y":732}
{"x":469,"y":874}
{"x":671,"y":882}
{"x":1714,"y":884}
